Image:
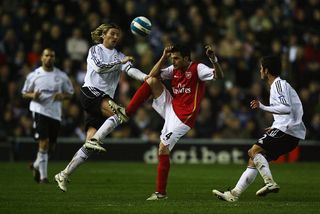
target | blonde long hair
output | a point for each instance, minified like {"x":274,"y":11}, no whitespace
{"x":96,"y":35}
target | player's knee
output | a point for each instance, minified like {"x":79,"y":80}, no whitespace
{"x":255,"y":150}
{"x":163,"y":150}
{"x":44,"y":146}
{"x":251,"y":163}
{"x":251,"y":153}
{"x":105,"y":109}
{"x":152,"y":81}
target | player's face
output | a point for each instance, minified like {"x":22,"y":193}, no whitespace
{"x":111,"y":38}
{"x":263,"y":74}
{"x":178,"y":61}
{"x":47,"y":58}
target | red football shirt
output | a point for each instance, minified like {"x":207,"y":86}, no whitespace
{"x":188,"y":90}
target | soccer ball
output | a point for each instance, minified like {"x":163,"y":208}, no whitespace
{"x":140,"y":26}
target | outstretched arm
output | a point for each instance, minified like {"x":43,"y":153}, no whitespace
{"x":136,"y":74}
{"x":276,"y":109}
{"x":214,"y":60}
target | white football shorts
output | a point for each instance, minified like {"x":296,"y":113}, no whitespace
{"x":173,"y":129}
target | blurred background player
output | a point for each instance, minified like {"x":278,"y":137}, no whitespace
{"x":282,"y":137}
{"x":46,"y":86}
{"x":104,"y":67}
{"x":178,"y":110}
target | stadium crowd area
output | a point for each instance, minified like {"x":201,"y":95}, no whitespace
{"x":242,"y":30}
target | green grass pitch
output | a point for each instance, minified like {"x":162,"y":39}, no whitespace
{"x":102,"y":187}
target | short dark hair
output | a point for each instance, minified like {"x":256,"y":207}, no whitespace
{"x":47,"y":49}
{"x":272,"y":63}
{"x":182,"y":49}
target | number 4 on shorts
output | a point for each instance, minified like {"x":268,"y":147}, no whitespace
{"x":168,"y":135}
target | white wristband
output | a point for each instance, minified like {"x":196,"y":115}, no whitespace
{"x":215,"y":60}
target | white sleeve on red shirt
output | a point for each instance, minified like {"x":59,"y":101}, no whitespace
{"x":167,"y":73}
{"x":205,"y":73}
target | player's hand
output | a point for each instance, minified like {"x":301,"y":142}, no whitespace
{"x":127,"y":59}
{"x":210,"y":52}
{"x":167,"y":51}
{"x":267,"y":129}
{"x":58,"y":97}
{"x":254,"y":104}
{"x":36,"y":95}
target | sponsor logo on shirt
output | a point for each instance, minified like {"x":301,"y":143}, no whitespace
{"x":181,"y":89}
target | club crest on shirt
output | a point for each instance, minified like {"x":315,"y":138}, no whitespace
{"x":188,"y":74}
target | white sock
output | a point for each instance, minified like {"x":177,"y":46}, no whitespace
{"x":247,"y":177}
{"x":108,"y":126}
{"x":262,"y":166}
{"x":43,"y":164}
{"x":80,"y":157}
{"x":36,"y":162}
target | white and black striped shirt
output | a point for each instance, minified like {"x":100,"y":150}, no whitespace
{"x":47,"y":83}
{"x":104,"y":69}
{"x":287,"y":109}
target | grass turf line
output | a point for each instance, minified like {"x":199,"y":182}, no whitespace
{"x":102,"y":187}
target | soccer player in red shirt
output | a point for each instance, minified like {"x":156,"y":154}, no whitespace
{"x":180,"y":109}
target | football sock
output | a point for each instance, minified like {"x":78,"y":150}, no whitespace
{"x":163,"y":171}
{"x":36,"y":162}
{"x":80,"y":157}
{"x":43,"y":164}
{"x":262,"y":166}
{"x":138,"y":98}
{"x":110,"y":124}
{"x":247,"y":177}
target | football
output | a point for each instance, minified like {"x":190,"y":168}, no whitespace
{"x":141,"y":26}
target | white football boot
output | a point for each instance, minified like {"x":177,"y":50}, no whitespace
{"x":94,"y":144}
{"x":62,"y":181}
{"x":157,"y":196}
{"x":226,"y":196}
{"x":268,"y":188}
{"x":119,"y":111}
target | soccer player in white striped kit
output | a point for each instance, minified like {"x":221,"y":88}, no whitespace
{"x":46,"y":86}
{"x":180,"y":109}
{"x":282,"y":137}
{"x":104,"y":67}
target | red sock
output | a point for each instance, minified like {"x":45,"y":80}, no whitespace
{"x":163,"y":172}
{"x":138,"y":98}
